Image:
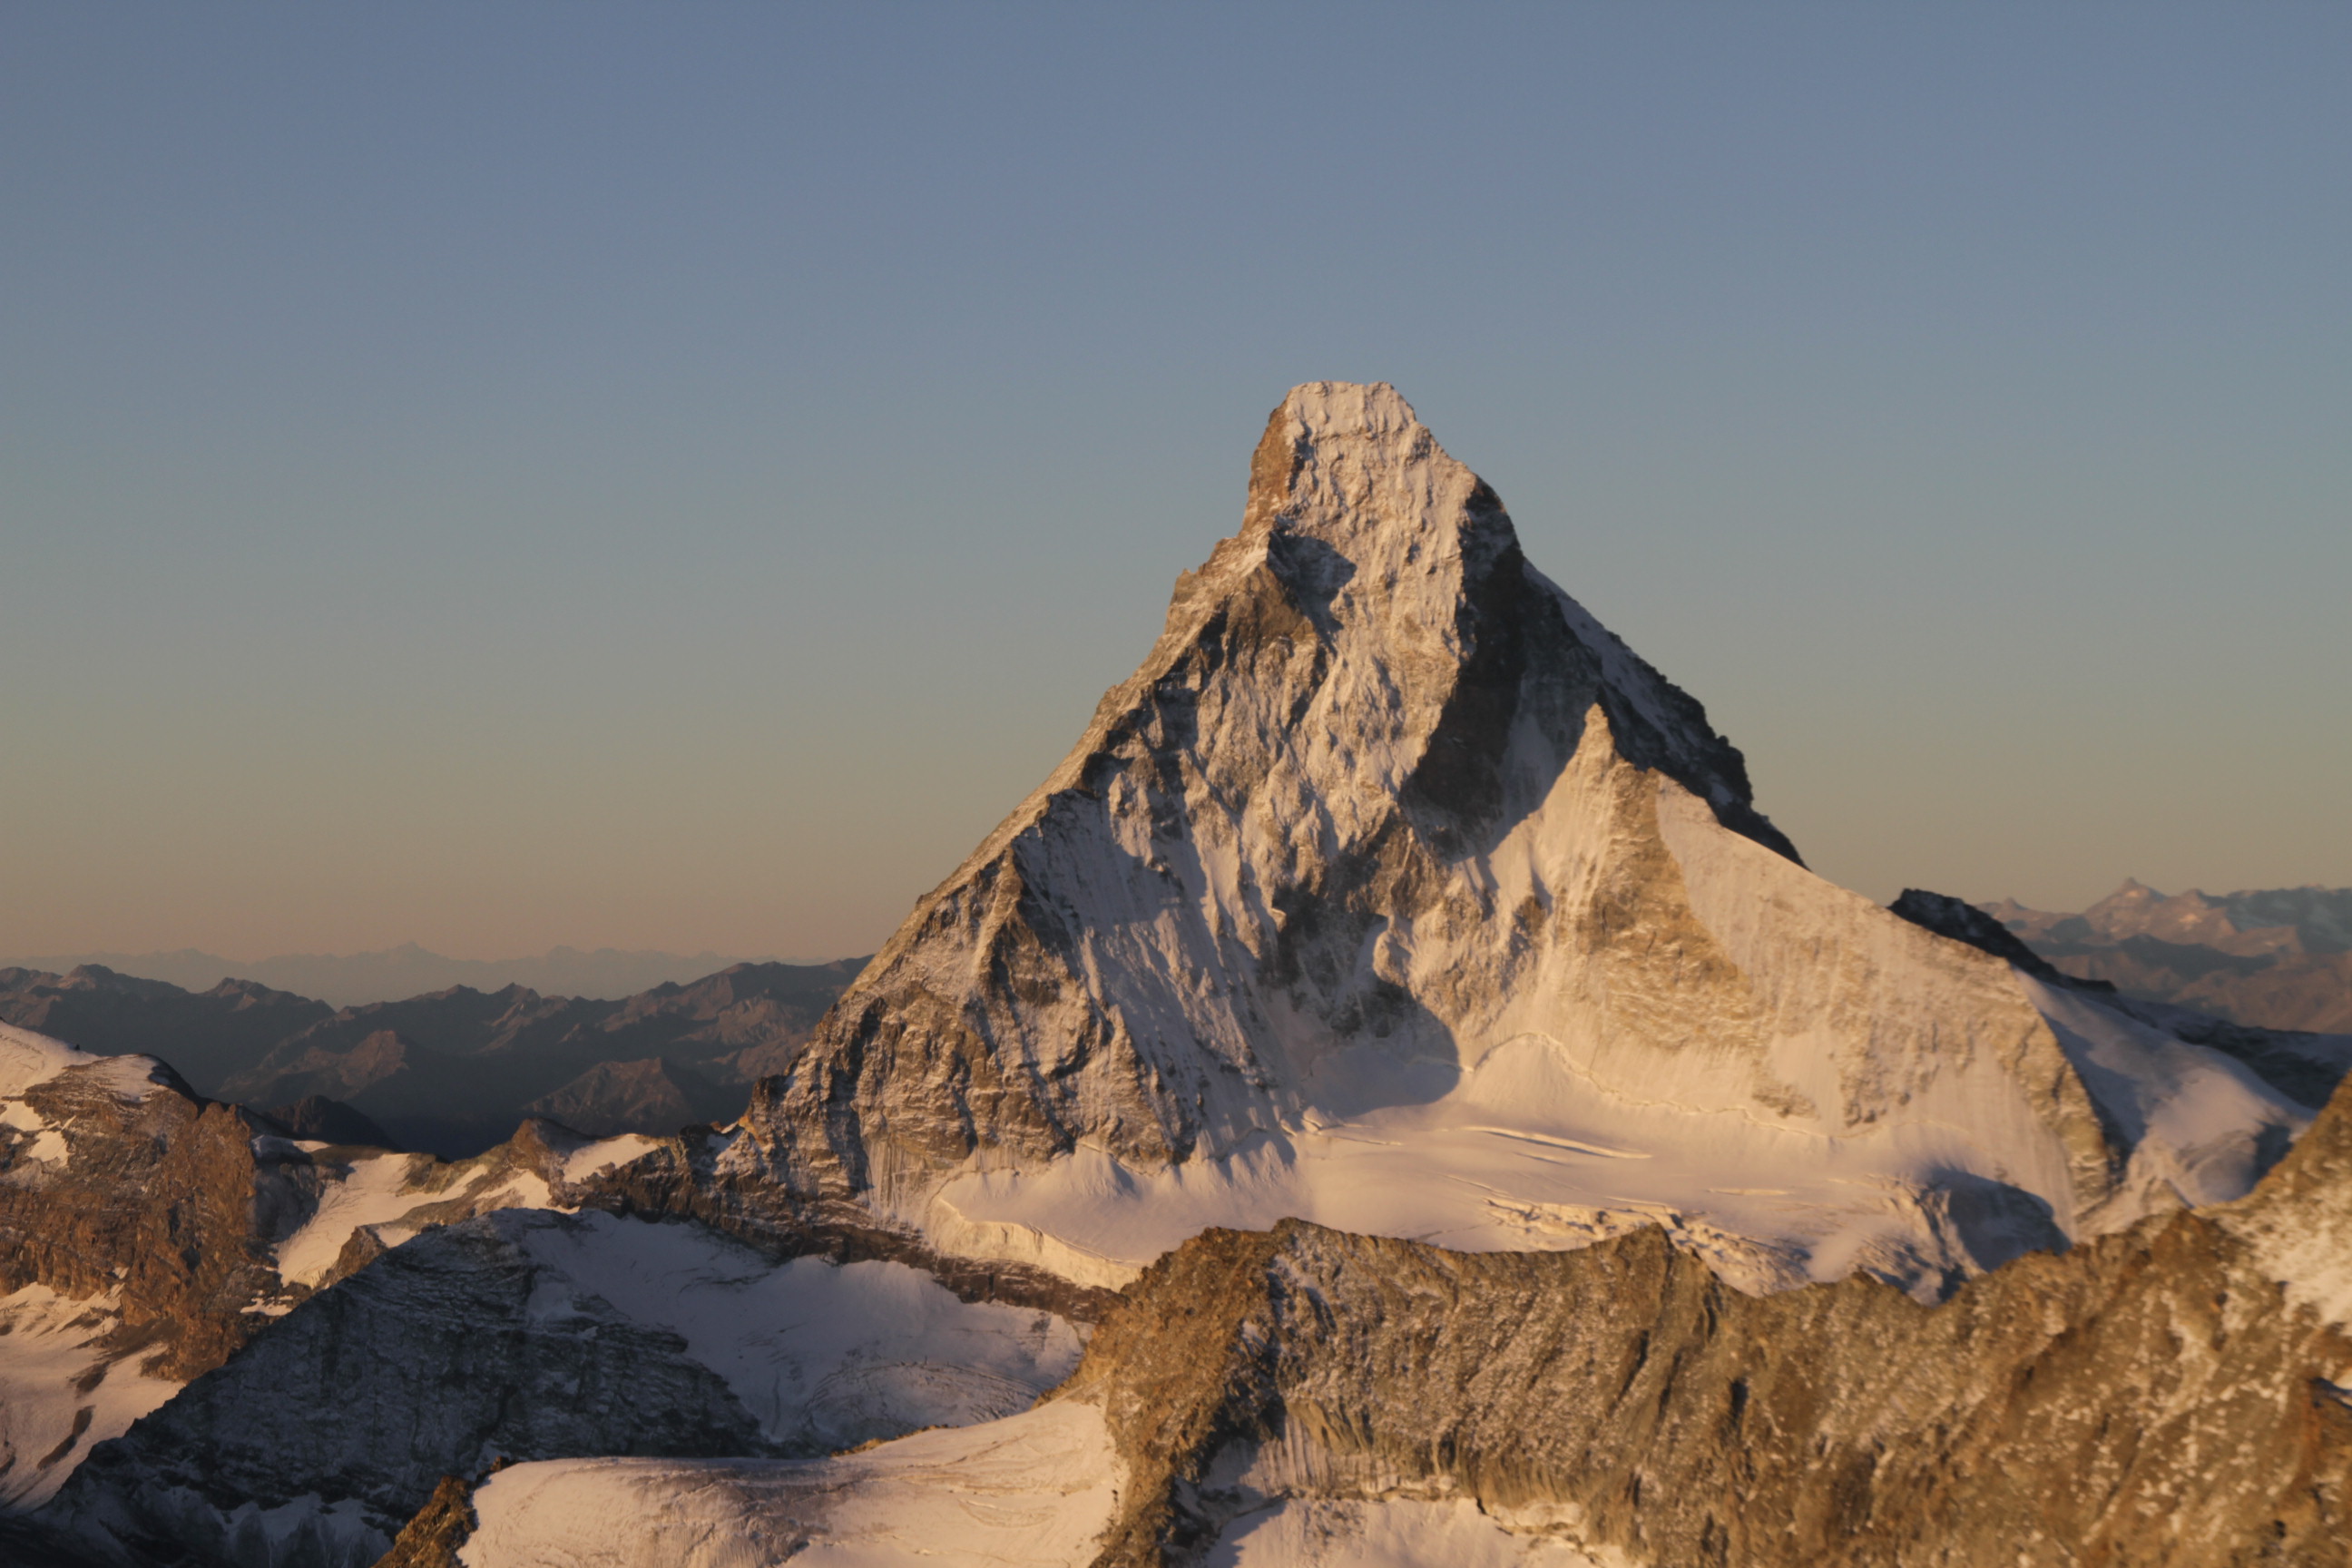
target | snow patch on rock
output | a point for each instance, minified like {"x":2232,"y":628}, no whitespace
{"x":61,"y":1392}
{"x":820,"y":1353}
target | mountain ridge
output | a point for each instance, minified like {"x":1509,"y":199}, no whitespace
{"x":1389,"y":844}
{"x":393,"y":973}
{"x":2276,"y":958}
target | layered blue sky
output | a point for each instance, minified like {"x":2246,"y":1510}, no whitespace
{"x":501,"y":475}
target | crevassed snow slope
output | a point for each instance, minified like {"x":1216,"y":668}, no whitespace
{"x":1033,"y":1489}
{"x":824,"y":1353}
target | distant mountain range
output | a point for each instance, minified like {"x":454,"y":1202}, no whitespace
{"x":607,"y":973}
{"x":2279,"y":958}
{"x":450,"y":1071}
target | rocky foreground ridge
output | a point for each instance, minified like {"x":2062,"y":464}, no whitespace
{"x":2156,"y":1398}
{"x":146,"y":1234}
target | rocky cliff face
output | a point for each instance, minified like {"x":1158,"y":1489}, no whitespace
{"x":147,"y":1233}
{"x":2176,"y":1395}
{"x":2172,"y":1397}
{"x":135,"y":1221}
{"x":1390,"y":845}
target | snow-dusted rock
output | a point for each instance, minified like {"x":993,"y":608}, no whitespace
{"x":146,"y":1233}
{"x":2174,"y":1395}
{"x":534,"y":1335}
{"x":1395,"y":892}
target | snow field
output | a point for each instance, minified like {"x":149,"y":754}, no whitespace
{"x":50,"y":1344}
{"x":824,"y":1353}
{"x":1033,"y":1489}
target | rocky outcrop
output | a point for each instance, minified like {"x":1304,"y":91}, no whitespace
{"x":2156,"y":1397}
{"x":1963,"y":921}
{"x":442,"y":1355}
{"x":116,"y":1180}
{"x":533,"y":1336}
{"x":146,"y":1234}
{"x":430,"y":1539}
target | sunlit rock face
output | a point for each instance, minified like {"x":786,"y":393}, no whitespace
{"x":1395,"y":891}
{"x":2173,"y":1395}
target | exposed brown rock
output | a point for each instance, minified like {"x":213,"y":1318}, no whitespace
{"x":2150,"y":1398}
{"x":162,"y":1197}
{"x":432,"y":1539}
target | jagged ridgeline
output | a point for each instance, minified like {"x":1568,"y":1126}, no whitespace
{"x":1394,"y":892}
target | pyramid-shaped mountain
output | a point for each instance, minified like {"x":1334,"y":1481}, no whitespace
{"x":1394,"y":892}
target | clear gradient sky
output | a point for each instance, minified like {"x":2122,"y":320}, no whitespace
{"x":498,"y":475}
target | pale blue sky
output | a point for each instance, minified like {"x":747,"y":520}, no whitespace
{"x":501,"y":475}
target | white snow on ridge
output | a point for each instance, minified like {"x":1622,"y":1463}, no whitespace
{"x":28,"y":1058}
{"x":48,"y":1421}
{"x":824,"y":1354}
{"x":375,"y":1191}
{"x":2195,"y":1119}
{"x":605,"y":1154}
{"x":1034,"y":1488}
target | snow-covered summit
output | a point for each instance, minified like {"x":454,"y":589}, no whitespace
{"x":1395,"y":891}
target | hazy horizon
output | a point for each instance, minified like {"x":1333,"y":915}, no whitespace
{"x":504,"y":478}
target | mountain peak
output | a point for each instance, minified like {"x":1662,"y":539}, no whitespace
{"x":1390,"y":844}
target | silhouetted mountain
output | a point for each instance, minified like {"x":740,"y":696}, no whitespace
{"x":207,"y":1036}
{"x":627,"y":1097}
{"x":451,"y":1071}
{"x":2277,"y":958}
{"x":330,"y":1121}
{"x":347,"y":980}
